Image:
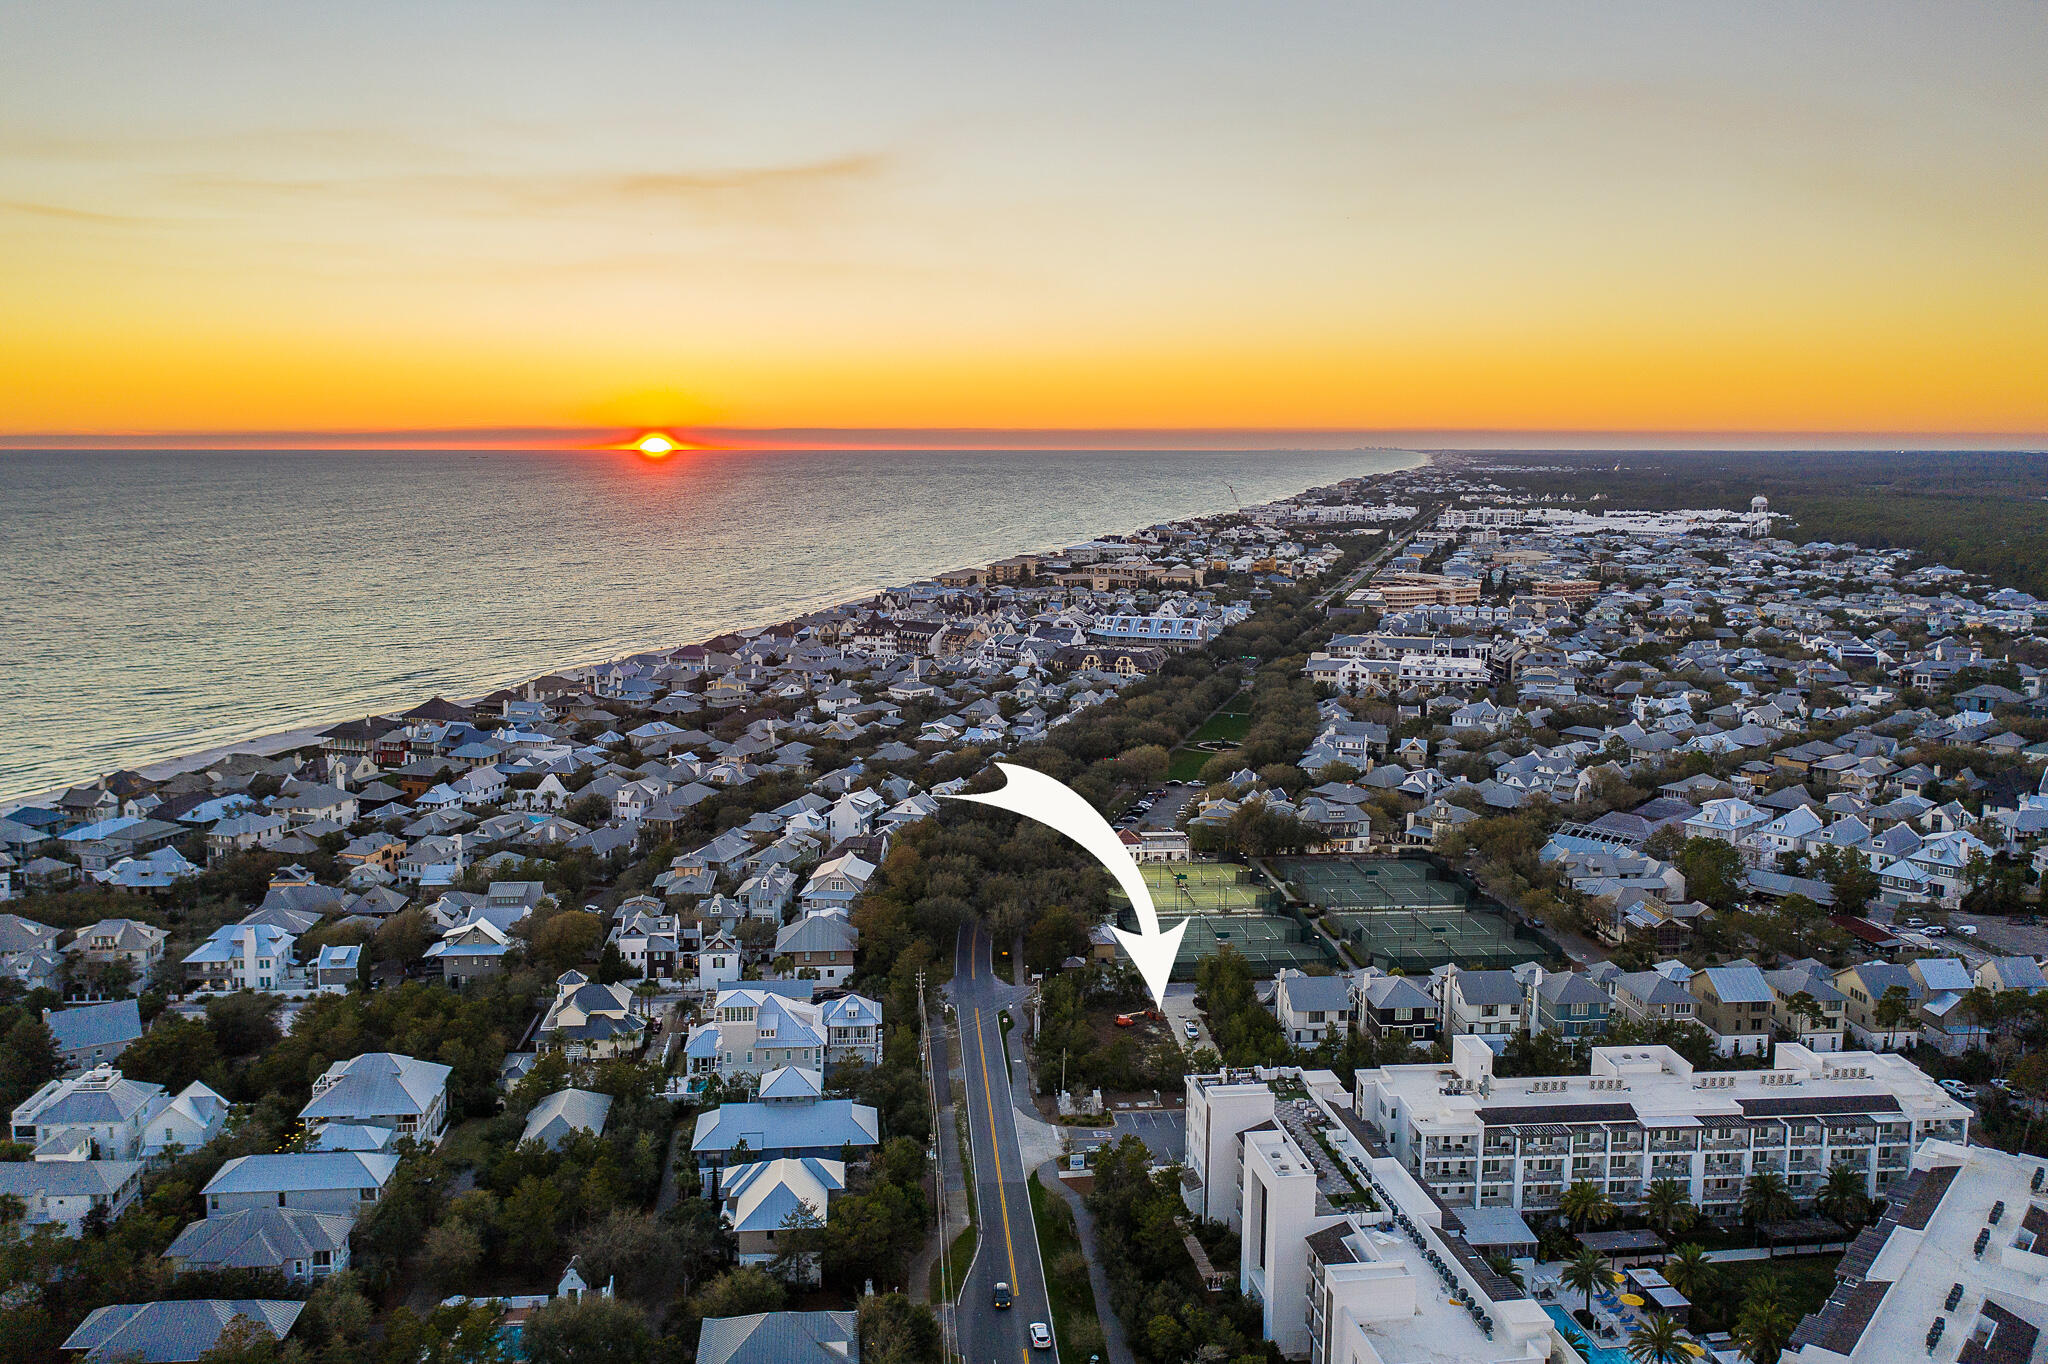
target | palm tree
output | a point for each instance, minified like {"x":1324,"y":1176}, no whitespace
{"x":1657,"y":1341}
{"x":1586,"y":1204}
{"x":1667,"y":1206}
{"x":1766,"y":1199}
{"x":1586,"y":1272}
{"x":1688,"y":1270}
{"x":1843,"y":1196}
{"x":1500,"y":1264}
{"x":1764,"y":1326}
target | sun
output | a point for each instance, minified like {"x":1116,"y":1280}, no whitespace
{"x":656,"y":446}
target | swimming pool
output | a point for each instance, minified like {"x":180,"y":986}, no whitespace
{"x":1594,"y":1352}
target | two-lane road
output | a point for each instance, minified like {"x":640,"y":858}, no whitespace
{"x":1007,"y":1250}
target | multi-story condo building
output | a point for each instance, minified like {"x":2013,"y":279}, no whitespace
{"x":1348,"y":1258}
{"x":1645,"y":1114}
{"x":1956,"y":1270}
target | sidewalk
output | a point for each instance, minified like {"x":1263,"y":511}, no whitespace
{"x":1115,"y":1349}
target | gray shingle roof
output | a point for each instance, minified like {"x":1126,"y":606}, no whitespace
{"x":566,"y":1111}
{"x":780,"y":1338}
{"x":173,"y":1332}
{"x":259,"y":1238}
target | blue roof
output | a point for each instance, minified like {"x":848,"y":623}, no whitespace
{"x":172,"y":1332}
{"x":303,"y":1172}
{"x":765,"y":1127}
{"x":117,"y":1022}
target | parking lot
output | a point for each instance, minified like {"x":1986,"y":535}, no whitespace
{"x":1166,"y":806}
{"x":1163,"y":1130}
{"x":2000,"y":937}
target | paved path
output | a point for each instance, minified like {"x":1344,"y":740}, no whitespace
{"x":1115,"y":1348}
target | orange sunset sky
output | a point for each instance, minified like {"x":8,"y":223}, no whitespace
{"x":1447,"y":217}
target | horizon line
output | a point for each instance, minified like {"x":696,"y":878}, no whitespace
{"x":701,"y":438}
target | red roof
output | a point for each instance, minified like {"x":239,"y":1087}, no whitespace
{"x":1858,"y":927}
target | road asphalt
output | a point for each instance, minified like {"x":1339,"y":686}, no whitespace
{"x":1007,"y":1248}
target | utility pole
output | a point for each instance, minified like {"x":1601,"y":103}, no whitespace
{"x":949,"y":1330}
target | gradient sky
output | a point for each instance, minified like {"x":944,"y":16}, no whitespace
{"x":1692,"y":217}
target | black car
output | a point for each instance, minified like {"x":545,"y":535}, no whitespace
{"x":1002,"y":1294}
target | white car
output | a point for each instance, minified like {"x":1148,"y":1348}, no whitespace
{"x":1967,"y":930}
{"x":1934,"y":931}
{"x":1959,"y":1089}
{"x":1193,"y":1032}
{"x":1041,"y":1336}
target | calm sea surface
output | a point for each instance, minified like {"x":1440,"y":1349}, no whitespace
{"x":163,"y":602}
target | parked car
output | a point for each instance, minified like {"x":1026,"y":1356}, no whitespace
{"x":1967,"y":930}
{"x":1041,"y":1336}
{"x":1916,"y":922}
{"x":1002,"y":1295}
{"x":1934,"y":931}
{"x":1193,"y":1032}
{"x":1959,"y":1089}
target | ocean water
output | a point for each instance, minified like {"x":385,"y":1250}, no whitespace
{"x":163,"y":602}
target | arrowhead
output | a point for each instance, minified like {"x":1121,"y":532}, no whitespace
{"x":1153,"y":956}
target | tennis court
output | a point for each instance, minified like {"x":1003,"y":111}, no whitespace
{"x":1362,"y":885}
{"x":1399,"y":912}
{"x":1268,"y":942}
{"x":1418,"y":940}
{"x":1182,"y":889}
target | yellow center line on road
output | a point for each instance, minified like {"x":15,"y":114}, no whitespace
{"x":988,"y":1095}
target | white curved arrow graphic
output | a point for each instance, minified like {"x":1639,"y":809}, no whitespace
{"x":1064,"y":810}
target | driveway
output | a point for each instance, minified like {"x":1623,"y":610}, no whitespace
{"x":1180,"y":1011}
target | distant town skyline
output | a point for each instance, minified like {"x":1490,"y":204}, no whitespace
{"x":1416,"y":226}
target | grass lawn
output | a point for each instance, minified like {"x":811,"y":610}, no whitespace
{"x":963,"y":1256}
{"x":1075,"y":1324}
{"x":464,"y":1146}
{"x":1186,"y":764}
{"x":1227,"y":726}
{"x":1804,"y":1282}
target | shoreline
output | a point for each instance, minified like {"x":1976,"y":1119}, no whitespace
{"x":275,"y":742}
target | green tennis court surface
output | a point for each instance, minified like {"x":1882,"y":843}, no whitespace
{"x":1228,"y":905}
{"x":1399,"y":913}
